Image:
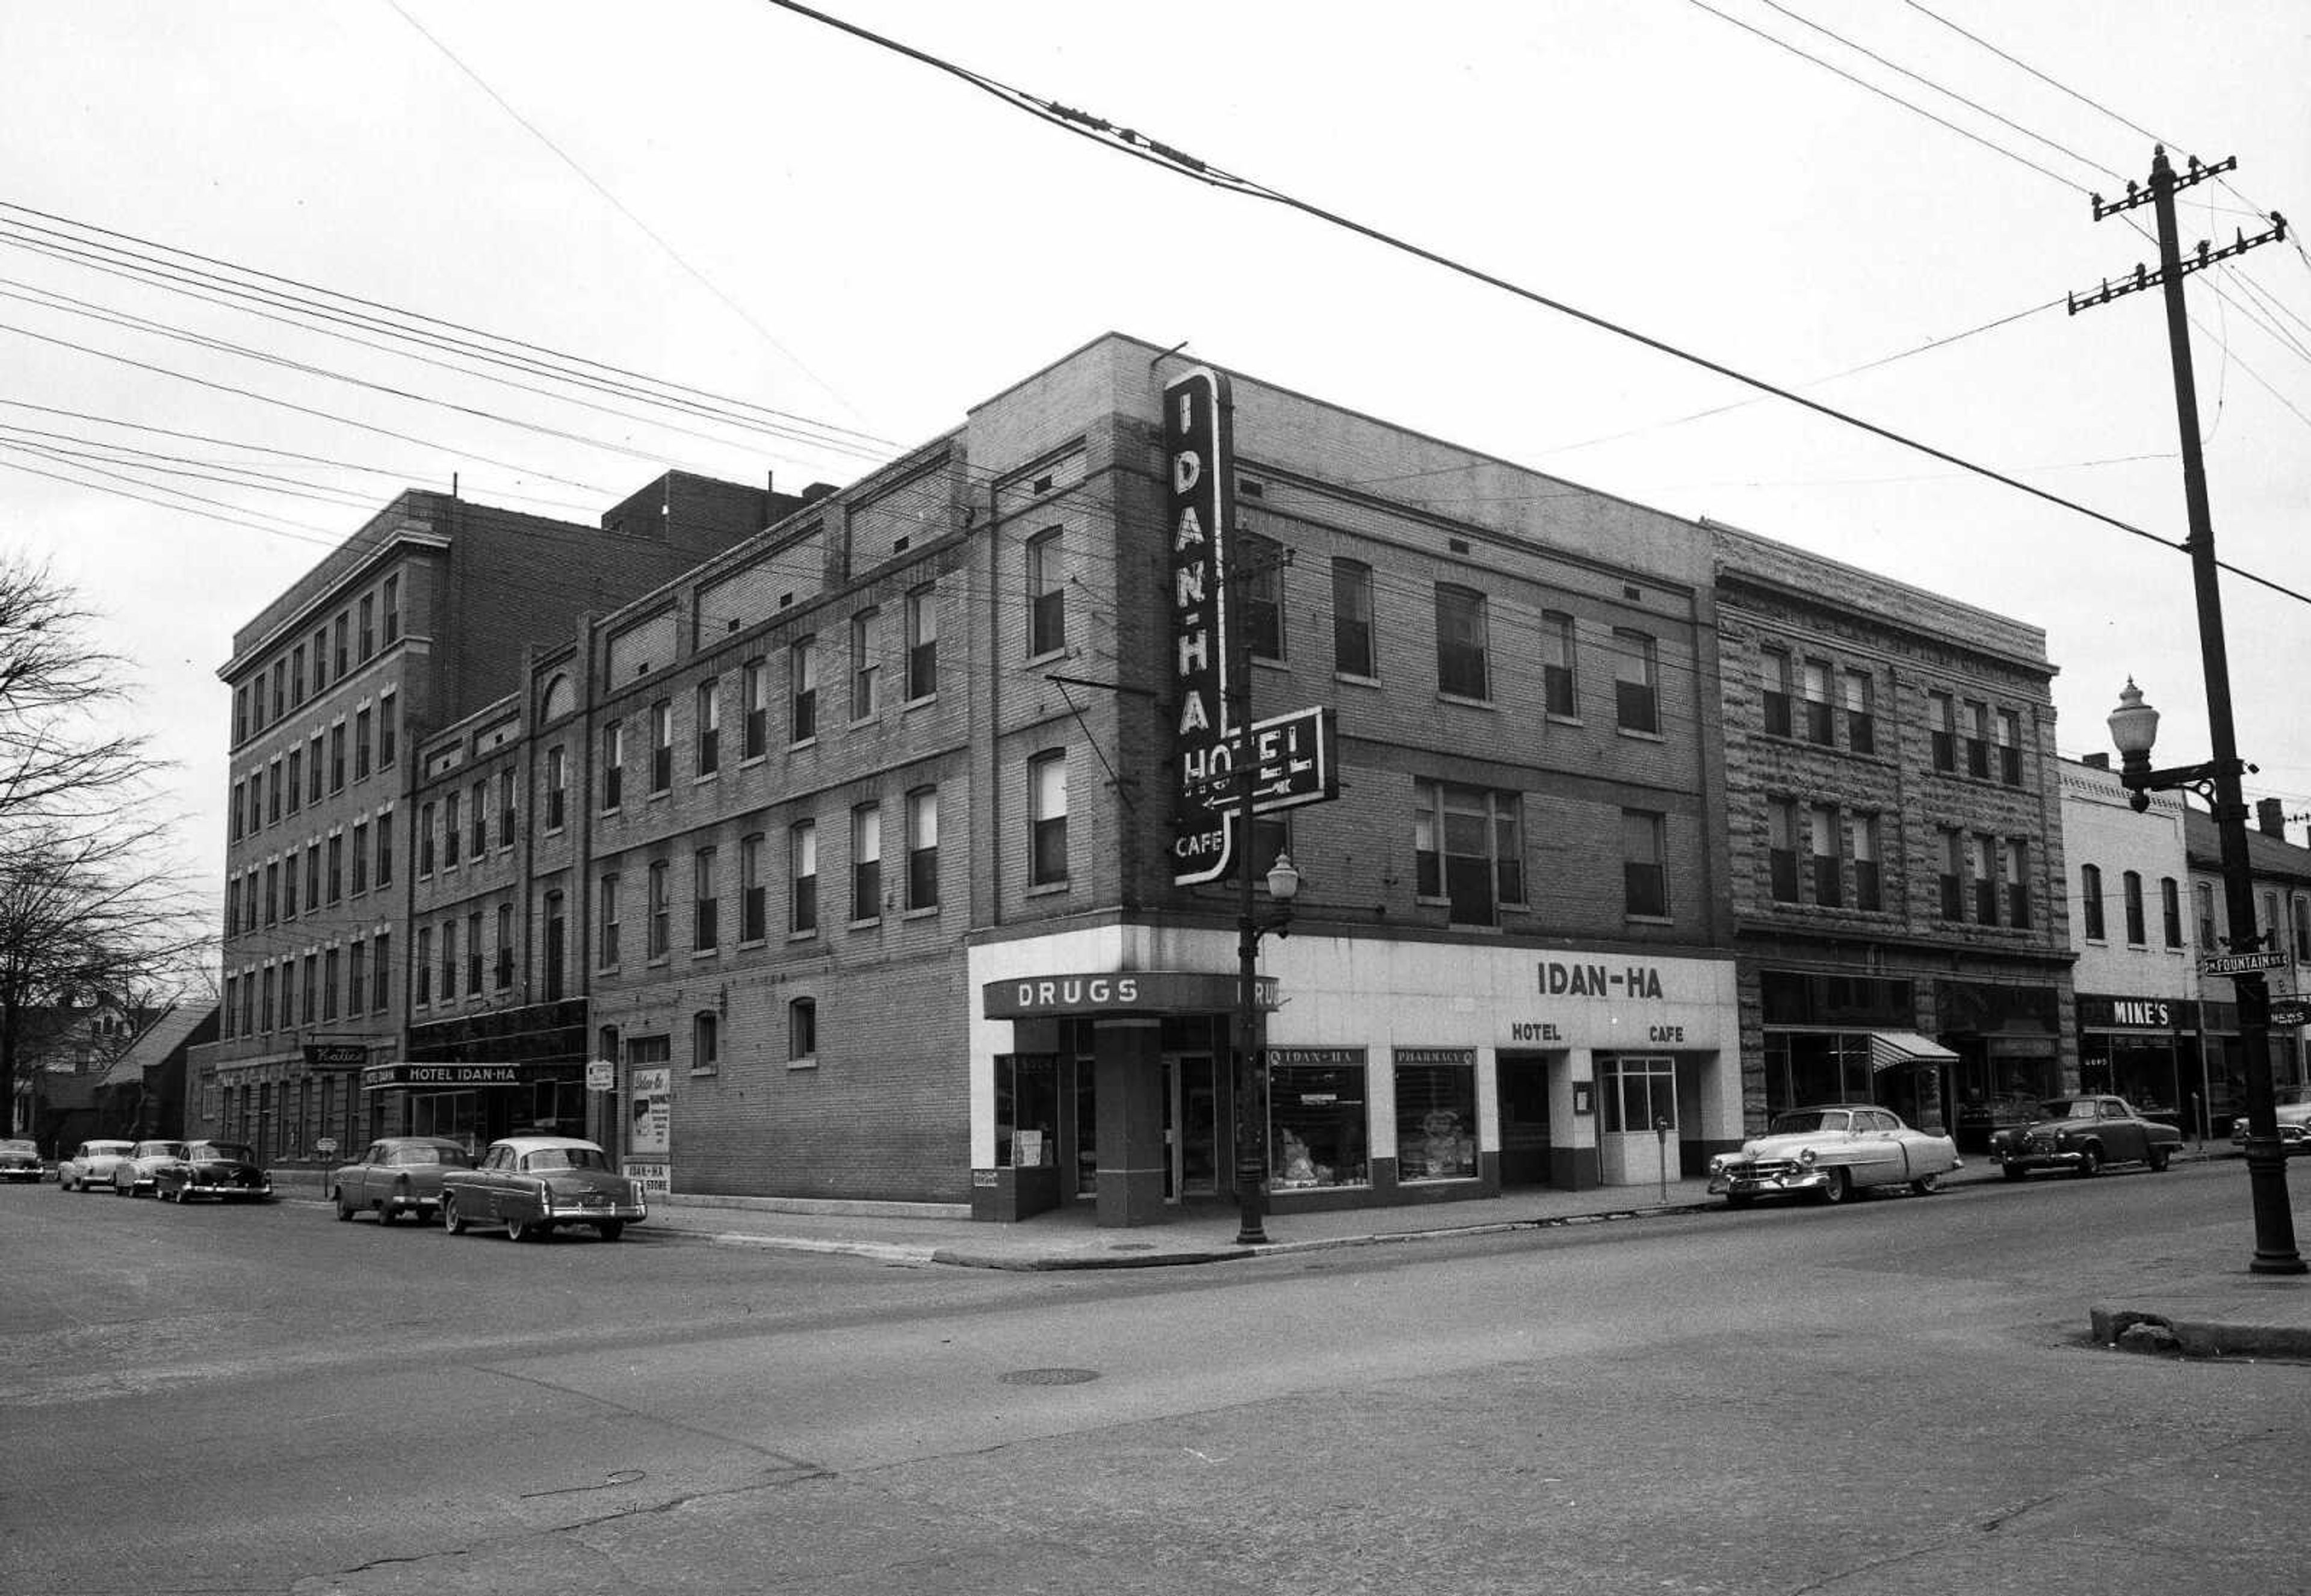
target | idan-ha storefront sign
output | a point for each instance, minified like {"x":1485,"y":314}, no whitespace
{"x":1293,"y":755}
{"x":440,"y":1077}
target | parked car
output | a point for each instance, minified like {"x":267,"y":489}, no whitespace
{"x":1829,"y":1152}
{"x":132,"y":1176}
{"x":2294,"y":1123}
{"x":227,"y":1171}
{"x":398,"y":1175}
{"x":92,"y":1164}
{"x":20,"y":1160}
{"x":2082,"y":1134}
{"x":534,"y":1184}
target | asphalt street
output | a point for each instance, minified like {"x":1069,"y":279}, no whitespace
{"x":1888,"y":1396}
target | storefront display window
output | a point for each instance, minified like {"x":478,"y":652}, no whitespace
{"x":1316,"y":1111}
{"x":1809,"y":1067}
{"x":1026,"y":1110}
{"x":456,"y":1115}
{"x":1435,"y":1113}
{"x":1636,"y":1094}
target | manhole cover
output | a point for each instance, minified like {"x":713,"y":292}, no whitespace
{"x":1048,"y":1376}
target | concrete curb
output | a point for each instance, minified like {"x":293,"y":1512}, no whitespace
{"x":2137,"y":1330}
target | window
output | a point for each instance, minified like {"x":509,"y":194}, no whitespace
{"x":1461,"y":643}
{"x":280,"y":688}
{"x":557,"y":944}
{"x":613,"y":765}
{"x":865,"y":663}
{"x":368,"y":625}
{"x":392,"y":608}
{"x":1861,"y":717}
{"x":1047,"y":595}
{"x":265,"y":1001}
{"x":754,"y":895}
{"x":705,"y":905}
{"x":313,"y":770}
{"x":296,"y":781}
{"x":2016,"y":862}
{"x":606,"y":899}
{"x":424,"y":965}
{"x":709,"y":727}
{"x":1352,"y":619}
{"x":802,"y":1029}
{"x":385,"y":848}
{"x":753,"y":691}
{"x":387,"y":727}
{"x":2091,"y":920}
{"x":1047,"y":819}
{"x":321,"y":658}
{"x":1941,"y":712}
{"x":1644,"y":874}
{"x":336,"y":865}
{"x":1435,"y":1113}
{"x":659,"y":925}
{"x":1781,"y":848}
{"x":1263,"y":595}
{"x":1868,"y":890}
{"x":1818,"y":712}
{"x":239,"y":809}
{"x":272,"y":893}
{"x":2302,"y":933}
{"x":557,"y":789}
{"x":1775,"y":665}
{"x":329,"y":984}
{"x":922,"y":643}
{"x":360,"y":857}
{"x":802,"y":877}
{"x":424,"y":840}
{"x":1637,"y":683}
{"x":337,"y":757}
{"x":923,"y":849}
{"x":240,"y":713}
{"x":2269,"y":925}
{"x":505,"y":947}
{"x":802,"y":690}
{"x":2202,"y":899}
{"x":381,"y":974}
{"x":505,"y":808}
{"x":1971,"y":727}
{"x":1822,"y":838}
{"x":255,"y":800}
{"x":705,"y":1043}
{"x":1951,"y":877}
{"x":1560,"y":685}
{"x":452,"y":831}
{"x":867,"y":862}
{"x":2170,"y":908}
{"x":661,"y":730}
{"x":338,"y":640}
{"x":312,"y":876}
{"x":2137,"y":933}
{"x":1469,"y":849}
{"x":481,"y":818}
{"x":297,"y":675}
{"x":357,"y":977}
{"x":448,"y":960}
{"x":288,"y":890}
{"x":1985,"y":880}
{"x":473,"y":954}
{"x":272,"y":793}
{"x":2010,"y":747}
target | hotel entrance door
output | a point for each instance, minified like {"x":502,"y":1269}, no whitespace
{"x":1190,"y":1127}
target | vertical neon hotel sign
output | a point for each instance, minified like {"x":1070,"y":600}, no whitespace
{"x":1200,"y":452}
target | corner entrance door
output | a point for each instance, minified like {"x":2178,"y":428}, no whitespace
{"x":1190,"y":1127}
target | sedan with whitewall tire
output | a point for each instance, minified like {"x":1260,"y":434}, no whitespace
{"x":1831,"y":1152}
{"x":534,"y":1185}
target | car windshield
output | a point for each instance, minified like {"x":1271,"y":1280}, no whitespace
{"x":2069,"y":1108}
{"x":546,"y":1159}
{"x":160,"y":1149}
{"x":16,"y":1144}
{"x":104,"y":1149}
{"x":1799,"y":1121}
{"x":456,"y":1156}
{"x":236,"y":1152}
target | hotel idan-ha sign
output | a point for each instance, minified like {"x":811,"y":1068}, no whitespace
{"x":1293,"y":755}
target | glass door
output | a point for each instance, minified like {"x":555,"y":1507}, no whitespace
{"x":1190,"y":1127}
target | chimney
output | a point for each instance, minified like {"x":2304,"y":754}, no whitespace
{"x":2270,"y":816}
{"x":2100,"y":762}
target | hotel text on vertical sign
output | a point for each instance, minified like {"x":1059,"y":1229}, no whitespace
{"x":1200,"y":488}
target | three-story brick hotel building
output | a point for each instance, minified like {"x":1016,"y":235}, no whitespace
{"x":855,"y":859}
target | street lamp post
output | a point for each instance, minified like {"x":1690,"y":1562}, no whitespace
{"x":2133,"y":728}
{"x":1251,"y":1035}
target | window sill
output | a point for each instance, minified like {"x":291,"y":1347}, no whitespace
{"x":924,"y":701}
{"x":1048,"y":655}
{"x":698,"y":1070}
{"x":698,"y":954}
{"x":1554,"y":718}
{"x":1047,"y":889}
{"x":1472,"y":704}
{"x":808,"y":742}
{"x":793,"y":1064}
{"x":811,"y":934}
{"x":871,"y":922}
{"x":747,"y":942}
{"x":1637,"y":735}
{"x":1351,"y":678}
{"x":857,"y":721}
{"x":747,"y":759}
{"x":1648,"y":920}
{"x":928,"y":912}
{"x":660,"y":796}
{"x":703,"y":777}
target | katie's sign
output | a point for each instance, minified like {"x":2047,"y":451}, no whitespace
{"x":1199,"y":503}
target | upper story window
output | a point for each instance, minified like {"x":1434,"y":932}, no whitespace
{"x":1941,"y":722}
{"x":802,"y":877}
{"x":1861,"y":716}
{"x":802,"y":690}
{"x":1461,"y":643}
{"x":1644,"y":864}
{"x":705,"y":1042}
{"x":424,"y":839}
{"x":2138,"y":932}
{"x":1047,"y":594}
{"x":1263,"y":595}
{"x":452,"y":831}
{"x":1353,"y":653}
{"x":709,"y":727}
{"x":240,"y":713}
{"x":1972,"y":718}
{"x":2170,"y":909}
{"x":605,"y":899}
{"x":866,"y":662}
{"x":1867,"y":890}
{"x":280,"y":688}
{"x":321,"y":677}
{"x":922,"y":643}
{"x":614,"y":764}
{"x":1818,"y":709}
{"x":1468,"y":845}
{"x":2015,"y":863}
{"x":802,"y":1030}
{"x":391,"y":605}
{"x":1985,"y":861}
{"x":754,"y":707}
{"x":297,"y":674}
{"x":661,"y":731}
{"x":506,"y":808}
{"x":2010,"y":747}
{"x":1781,"y":848}
{"x":753,"y":892}
{"x":1774,"y":663}
{"x":481,"y":817}
{"x":368,"y":625}
{"x":867,"y":862}
{"x":361,"y":719}
{"x":658,"y":924}
{"x":557,"y":789}
{"x":337,"y":757}
{"x":1951,"y":877}
{"x":2202,"y":899}
{"x":2091,"y":912}
{"x":705,"y":901}
{"x":338,"y":649}
{"x":923,"y":849}
{"x":1636,"y":680}
{"x":1822,"y":831}
{"x":1047,"y":819}
{"x":1560,"y":681}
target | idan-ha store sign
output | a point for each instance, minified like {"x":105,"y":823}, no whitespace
{"x":1293,"y":755}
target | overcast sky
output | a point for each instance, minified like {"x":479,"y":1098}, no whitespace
{"x":731,"y":196}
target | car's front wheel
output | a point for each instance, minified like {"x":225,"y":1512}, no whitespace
{"x":345,"y":1209}
{"x":1738,"y":1199}
{"x":1927,"y":1185}
{"x":2158,"y":1158}
{"x":452,"y":1220}
{"x":2089,"y":1164}
{"x":1840,"y":1186}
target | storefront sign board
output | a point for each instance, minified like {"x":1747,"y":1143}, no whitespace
{"x":2241,"y":963}
{"x":1137,"y":992}
{"x":446,"y":1077}
{"x":1200,"y":510}
{"x":2286,"y":1012}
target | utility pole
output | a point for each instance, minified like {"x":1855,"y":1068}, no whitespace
{"x":2220,"y":778}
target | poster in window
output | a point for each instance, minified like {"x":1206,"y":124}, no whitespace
{"x":649,"y":1121}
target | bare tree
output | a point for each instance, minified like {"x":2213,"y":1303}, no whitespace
{"x":90,"y":901}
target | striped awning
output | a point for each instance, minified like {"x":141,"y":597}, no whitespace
{"x":1890,"y":1048}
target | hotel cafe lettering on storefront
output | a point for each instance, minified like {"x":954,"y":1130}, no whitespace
{"x":1398,"y":1071}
